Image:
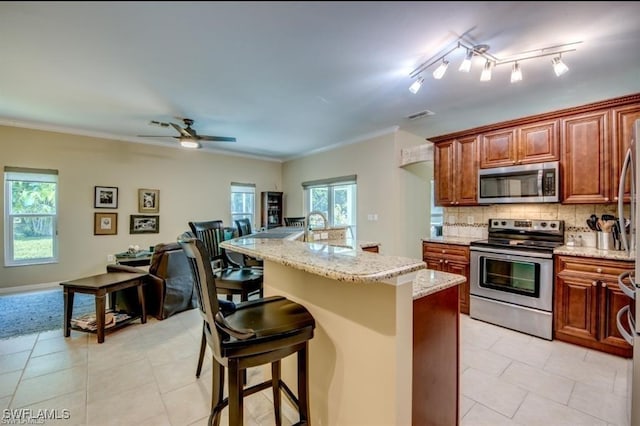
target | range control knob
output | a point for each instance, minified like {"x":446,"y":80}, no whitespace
{"x":543,"y":224}
{"x":553,"y":225}
{"x":495,"y":223}
{"x":503,"y":223}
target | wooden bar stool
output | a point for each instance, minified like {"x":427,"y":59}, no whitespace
{"x":246,"y":335}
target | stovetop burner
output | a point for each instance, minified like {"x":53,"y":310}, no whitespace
{"x":542,"y":235}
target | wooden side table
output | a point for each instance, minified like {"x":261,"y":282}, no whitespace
{"x":101,"y":285}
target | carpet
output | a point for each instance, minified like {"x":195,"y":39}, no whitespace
{"x":33,"y":312}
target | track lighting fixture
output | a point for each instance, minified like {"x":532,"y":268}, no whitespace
{"x":486,"y":72}
{"x":416,"y":85}
{"x":482,"y":50}
{"x":442,"y":68}
{"x":559,"y":67}
{"x":516,"y":73}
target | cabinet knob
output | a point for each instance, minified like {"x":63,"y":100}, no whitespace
{"x":594,"y":283}
{"x":514,"y":161}
{"x":441,"y":260}
{"x":599,"y":270}
{"x":606,"y":198}
{"x":444,"y":251}
{"x":604,"y":285}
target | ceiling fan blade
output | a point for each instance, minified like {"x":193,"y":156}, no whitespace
{"x":180,"y":130}
{"x":159,"y":123}
{"x":156,"y":136}
{"x":216,"y":138}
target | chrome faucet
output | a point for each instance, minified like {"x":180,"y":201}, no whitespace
{"x":317,"y":213}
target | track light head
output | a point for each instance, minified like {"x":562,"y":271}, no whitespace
{"x":516,"y":73}
{"x":442,"y":68}
{"x":416,"y":85}
{"x":559,"y":67}
{"x":465,"y":66}
{"x":486,"y":72}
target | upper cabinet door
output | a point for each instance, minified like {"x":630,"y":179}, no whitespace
{"x":538,"y":143}
{"x":586,"y":177}
{"x":467,"y":171}
{"x":444,"y":173}
{"x":498,"y":149}
{"x":623,"y":119}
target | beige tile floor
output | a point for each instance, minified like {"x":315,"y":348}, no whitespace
{"x":144,"y":375}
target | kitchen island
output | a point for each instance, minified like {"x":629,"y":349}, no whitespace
{"x":377,"y":316}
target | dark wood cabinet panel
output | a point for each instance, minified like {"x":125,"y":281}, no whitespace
{"x":538,"y":143}
{"x":622,"y":132}
{"x":587,"y":300}
{"x":586,"y":158}
{"x":498,"y":149}
{"x":450,"y":258}
{"x":456,"y":172}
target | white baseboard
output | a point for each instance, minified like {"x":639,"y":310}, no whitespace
{"x":30,"y":287}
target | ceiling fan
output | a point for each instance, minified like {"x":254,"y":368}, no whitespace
{"x":188,"y":137}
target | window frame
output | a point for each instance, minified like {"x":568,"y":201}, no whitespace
{"x":20,"y":174}
{"x":330,"y":185}
{"x":249,"y":188}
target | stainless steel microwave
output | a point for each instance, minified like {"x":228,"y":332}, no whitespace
{"x":530,"y":183}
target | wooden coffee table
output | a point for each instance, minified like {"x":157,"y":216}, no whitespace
{"x":101,"y":285}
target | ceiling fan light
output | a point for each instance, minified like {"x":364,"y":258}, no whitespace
{"x":416,"y":85}
{"x":486,"y":72}
{"x":465,"y":66}
{"x":516,"y":73}
{"x":559,"y":67}
{"x":442,"y":68}
{"x":191,"y":144}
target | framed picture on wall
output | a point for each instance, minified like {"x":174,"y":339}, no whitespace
{"x":106,"y":197}
{"x":105,"y":223}
{"x":148,"y":200}
{"x":144,"y":224}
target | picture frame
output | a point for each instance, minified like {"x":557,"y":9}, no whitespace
{"x":106,"y":197}
{"x":105,"y":223}
{"x":148,"y":200}
{"x":144,"y":224}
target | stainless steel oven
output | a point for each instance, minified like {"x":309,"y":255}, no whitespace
{"x":512,"y":275}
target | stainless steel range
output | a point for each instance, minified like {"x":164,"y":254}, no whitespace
{"x":512,"y":275}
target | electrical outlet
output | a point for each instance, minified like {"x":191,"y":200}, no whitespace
{"x":324,"y":235}
{"x":111,"y":258}
{"x":470,"y":220}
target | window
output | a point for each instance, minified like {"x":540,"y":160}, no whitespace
{"x":243,"y":202}
{"x":437,"y":214}
{"x":335,"y":198}
{"x":31,"y":216}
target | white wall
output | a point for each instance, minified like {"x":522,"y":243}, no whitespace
{"x":194,"y":185}
{"x":399,"y":196}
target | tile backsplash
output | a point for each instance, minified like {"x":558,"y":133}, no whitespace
{"x":473,"y":221}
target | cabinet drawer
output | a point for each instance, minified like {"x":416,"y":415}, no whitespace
{"x":449,"y":251}
{"x":584,"y":265}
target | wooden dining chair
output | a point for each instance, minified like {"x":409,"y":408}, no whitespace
{"x":295,"y":221}
{"x":231,"y":278}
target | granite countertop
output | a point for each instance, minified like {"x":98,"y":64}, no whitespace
{"x":430,"y":281}
{"x":462,"y":241}
{"x":336,"y":262}
{"x":594,"y":252}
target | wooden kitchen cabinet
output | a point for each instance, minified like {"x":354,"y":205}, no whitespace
{"x":452,"y":258}
{"x":586,"y":158}
{"x":587,"y":299}
{"x":456,"y":172}
{"x":526,"y":144}
{"x":622,"y":121}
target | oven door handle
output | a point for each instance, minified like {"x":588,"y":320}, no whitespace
{"x":512,"y":252}
{"x":625,"y":334}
